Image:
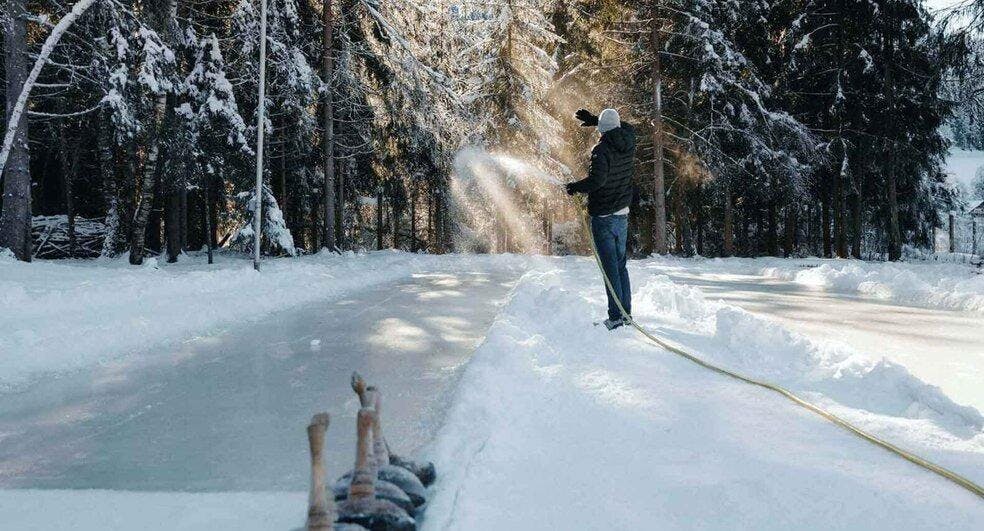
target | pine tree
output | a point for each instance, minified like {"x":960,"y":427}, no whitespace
{"x":15,"y":220}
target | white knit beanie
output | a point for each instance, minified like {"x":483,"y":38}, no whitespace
{"x":608,"y":120}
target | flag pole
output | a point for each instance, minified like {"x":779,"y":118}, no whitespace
{"x":257,"y":215}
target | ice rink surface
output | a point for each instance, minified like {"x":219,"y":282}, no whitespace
{"x":227,"y":411}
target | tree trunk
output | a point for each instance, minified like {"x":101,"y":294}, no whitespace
{"x":68,"y":156}
{"x":280,"y":175}
{"x":772,"y":235}
{"x":172,"y":225}
{"x":148,"y":185}
{"x":315,"y":232}
{"x":213,"y":214}
{"x":699,"y":218}
{"x":430,"y":219}
{"x":396,"y":212}
{"x":728,"y":247}
{"x":840,"y":175}
{"x":677,"y":225}
{"x":891,"y":187}
{"x":183,"y":208}
{"x":773,"y":229}
{"x":789,"y":240}
{"x":172,"y":216}
{"x":207,"y":218}
{"x":328,"y":125}
{"x":744,"y":246}
{"x":973,"y":236}
{"x":659,"y":198}
{"x":840,"y":237}
{"x":856,"y":225}
{"x":684,"y":240}
{"x":150,"y":179}
{"x":107,"y":171}
{"x":825,"y":223}
{"x":340,"y":180}
{"x":413,"y":223}
{"x":155,"y":223}
{"x":379,"y":219}
{"x":15,"y":221}
{"x":439,"y":224}
{"x":544,"y":231}
{"x":952,"y":232}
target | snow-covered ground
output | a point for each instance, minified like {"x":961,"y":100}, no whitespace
{"x":561,"y":424}
{"x":553,"y":422}
{"x":923,"y":284}
{"x":854,"y":303}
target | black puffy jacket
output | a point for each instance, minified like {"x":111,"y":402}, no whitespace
{"x":609,"y":180}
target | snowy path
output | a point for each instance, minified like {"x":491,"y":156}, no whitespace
{"x":227,"y":411}
{"x":942,"y":347}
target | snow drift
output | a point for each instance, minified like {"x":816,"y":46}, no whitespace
{"x":949,"y":286}
{"x":923,"y":284}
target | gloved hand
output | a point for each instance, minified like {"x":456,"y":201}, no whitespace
{"x":587,"y":119}
{"x":570,"y":188}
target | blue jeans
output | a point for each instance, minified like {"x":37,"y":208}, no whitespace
{"x":610,"y":234}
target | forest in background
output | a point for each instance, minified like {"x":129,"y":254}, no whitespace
{"x":766,"y":127}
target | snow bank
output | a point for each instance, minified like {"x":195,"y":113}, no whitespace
{"x":64,"y":315}
{"x":833,"y":372}
{"x":948,"y":286}
{"x":930,"y":285}
{"x":561,"y":424}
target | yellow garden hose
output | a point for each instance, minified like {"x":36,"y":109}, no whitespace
{"x":932,"y":467}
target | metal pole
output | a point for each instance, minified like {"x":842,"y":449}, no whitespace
{"x":259,"y":139}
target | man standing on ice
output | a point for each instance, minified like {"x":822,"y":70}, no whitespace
{"x":609,"y":189}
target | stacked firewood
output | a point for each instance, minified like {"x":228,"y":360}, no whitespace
{"x":52,"y":237}
{"x":384,"y":492}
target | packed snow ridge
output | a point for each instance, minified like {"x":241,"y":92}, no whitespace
{"x":925,"y":284}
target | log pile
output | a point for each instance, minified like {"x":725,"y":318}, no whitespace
{"x":51,"y":237}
